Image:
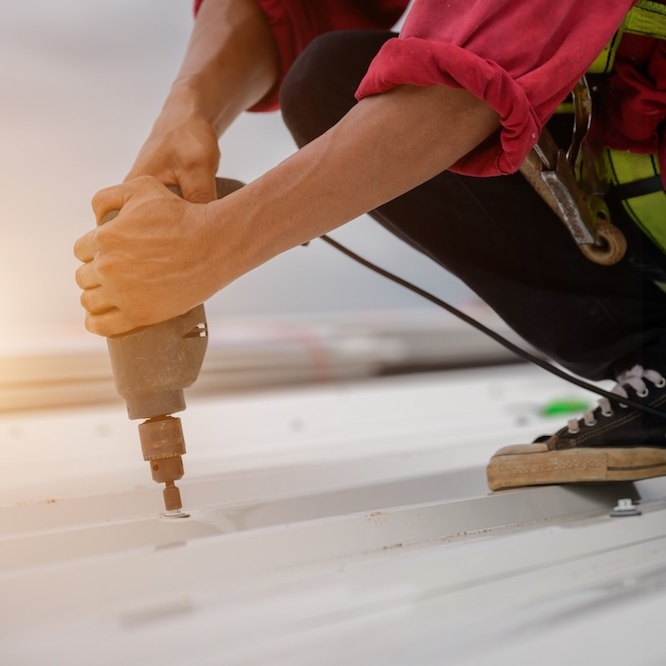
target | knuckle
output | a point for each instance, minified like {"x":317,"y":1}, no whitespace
{"x":108,"y":268}
{"x":104,"y":239}
{"x":144,"y":181}
{"x":82,"y":247}
{"x":80,"y":277}
{"x":89,"y":299}
{"x":98,"y":198}
{"x":100,"y":201}
{"x":99,"y":237}
{"x":196,"y":156}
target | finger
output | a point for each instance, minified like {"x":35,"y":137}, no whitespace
{"x":84,"y":247}
{"x":94,"y":301}
{"x":108,"y":200}
{"x":112,"y":322}
{"x":86,"y":276}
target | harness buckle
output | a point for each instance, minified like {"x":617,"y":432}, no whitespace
{"x":570,"y":183}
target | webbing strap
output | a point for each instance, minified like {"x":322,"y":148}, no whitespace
{"x":638,"y":188}
{"x":645,"y":18}
{"x":648,"y":211}
{"x":603,"y":63}
{"x":636,"y":178}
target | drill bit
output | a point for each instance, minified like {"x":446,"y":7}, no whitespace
{"x":162,"y":445}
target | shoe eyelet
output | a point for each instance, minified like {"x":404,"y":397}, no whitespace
{"x":661,"y":383}
{"x":643,"y":393}
{"x":607,"y":414}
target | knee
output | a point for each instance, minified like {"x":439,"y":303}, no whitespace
{"x":319,"y":88}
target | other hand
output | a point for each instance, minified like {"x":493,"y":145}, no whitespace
{"x":182,"y":150}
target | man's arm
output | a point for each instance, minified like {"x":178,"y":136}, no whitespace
{"x":231,"y":63}
{"x":182,"y":253}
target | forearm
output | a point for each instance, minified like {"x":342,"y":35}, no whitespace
{"x":231,"y":63}
{"x":182,"y":253}
{"x":387,"y":145}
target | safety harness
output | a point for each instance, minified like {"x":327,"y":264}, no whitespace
{"x":575,"y":182}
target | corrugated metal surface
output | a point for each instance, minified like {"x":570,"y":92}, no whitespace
{"x":340,"y":524}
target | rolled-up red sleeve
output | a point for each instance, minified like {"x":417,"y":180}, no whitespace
{"x":521,"y":57}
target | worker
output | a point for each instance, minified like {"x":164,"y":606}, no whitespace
{"x":426,"y":130}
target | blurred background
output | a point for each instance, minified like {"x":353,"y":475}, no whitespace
{"x":82,"y":83}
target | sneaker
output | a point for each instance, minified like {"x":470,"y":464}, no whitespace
{"x":613,"y":442}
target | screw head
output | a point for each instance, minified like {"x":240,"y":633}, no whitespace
{"x":625,"y":507}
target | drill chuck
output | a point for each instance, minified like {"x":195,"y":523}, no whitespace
{"x":151,"y":367}
{"x":162,"y":445}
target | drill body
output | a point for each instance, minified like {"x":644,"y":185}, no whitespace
{"x":151,"y":367}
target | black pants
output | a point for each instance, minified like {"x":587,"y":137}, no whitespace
{"x":498,"y":236}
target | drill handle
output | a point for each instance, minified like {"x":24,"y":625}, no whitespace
{"x":153,"y":364}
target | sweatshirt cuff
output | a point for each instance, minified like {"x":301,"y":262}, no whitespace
{"x":422,"y":62}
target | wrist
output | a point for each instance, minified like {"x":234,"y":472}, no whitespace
{"x":239,"y":231}
{"x":187,"y":99}
{"x":232,"y":61}
{"x":200,"y":94}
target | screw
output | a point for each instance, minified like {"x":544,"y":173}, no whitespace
{"x":625,"y":507}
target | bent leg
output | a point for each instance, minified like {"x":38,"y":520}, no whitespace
{"x":496,"y":235}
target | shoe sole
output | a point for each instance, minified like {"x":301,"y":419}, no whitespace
{"x":534,"y":465}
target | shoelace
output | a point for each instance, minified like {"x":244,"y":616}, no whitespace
{"x":636,"y":379}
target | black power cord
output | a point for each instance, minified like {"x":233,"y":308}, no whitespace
{"x":545,"y":365}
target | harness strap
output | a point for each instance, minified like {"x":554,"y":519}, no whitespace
{"x":646,"y":18}
{"x":637,"y":182}
{"x":635,"y":178}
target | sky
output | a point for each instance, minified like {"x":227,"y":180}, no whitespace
{"x":82,"y":83}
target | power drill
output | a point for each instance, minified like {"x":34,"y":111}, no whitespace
{"x":151,"y":367}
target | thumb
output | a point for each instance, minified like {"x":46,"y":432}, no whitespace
{"x":198,"y":188}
